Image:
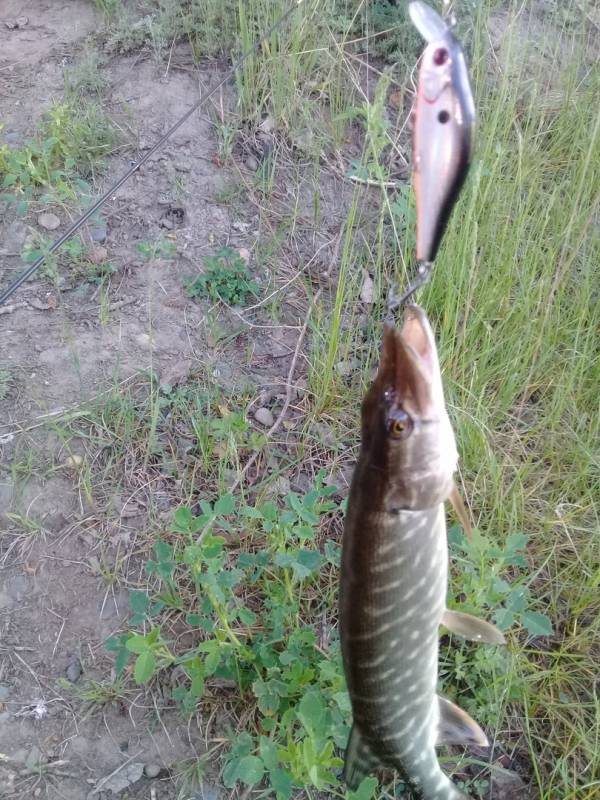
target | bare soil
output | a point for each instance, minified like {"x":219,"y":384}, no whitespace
{"x":62,"y":346}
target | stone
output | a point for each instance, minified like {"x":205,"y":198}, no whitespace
{"x":99,"y":232}
{"x":251,"y":163}
{"x":48,"y":221}
{"x":152,"y":770}
{"x":264,"y":417}
{"x":74,"y":670}
{"x":4,"y":692}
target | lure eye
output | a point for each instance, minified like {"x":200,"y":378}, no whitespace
{"x":440,"y":56}
{"x":400,"y":425}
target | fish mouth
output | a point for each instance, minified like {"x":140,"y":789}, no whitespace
{"x":409,"y":362}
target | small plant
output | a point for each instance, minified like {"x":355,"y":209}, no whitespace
{"x":483,"y":564}
{"x":163,"y":248}
{"x":226,"y":277}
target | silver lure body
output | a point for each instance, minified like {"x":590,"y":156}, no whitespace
{"x":443,"y":128}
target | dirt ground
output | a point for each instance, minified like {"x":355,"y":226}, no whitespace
{"x":55,"y":610}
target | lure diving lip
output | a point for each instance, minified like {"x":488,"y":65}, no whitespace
{"x":443,"y":130}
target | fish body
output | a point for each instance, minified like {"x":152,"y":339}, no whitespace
{"x":395,"y":571}
{"x":443,"y":128}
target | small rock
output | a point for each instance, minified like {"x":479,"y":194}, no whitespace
{"x":244,"y":254}
{"x":152,"y":770}
{"x":4,"y":692}
{"x":48,"y":221}
{"x":182,"y":166}
{"x":366,"y":291}
{"x":115,"y":783}
{"x":74,"y":670}
{"x":241,"y":227}
{"x":507,"y":785}
{"x":97,"y":255}
{"x":99,"y":232}
{"x":251,"y":163}
{"x":167,"y":223}
{"x":144,"y":340}
{"x":264,"y":416}
{"x":73,"y":462}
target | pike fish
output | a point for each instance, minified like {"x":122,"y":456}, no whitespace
{"x":443,"y":128}
{"x":394,"y":572}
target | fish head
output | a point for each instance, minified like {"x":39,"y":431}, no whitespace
{"x":406,"y":433}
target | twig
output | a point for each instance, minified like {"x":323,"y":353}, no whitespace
{"x":288,"y":395}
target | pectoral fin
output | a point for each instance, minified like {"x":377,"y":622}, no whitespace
{"x":359,"y":761}
{"x":461,"y":511}
{"x":477,"y":630}
{"x":457,"y":727}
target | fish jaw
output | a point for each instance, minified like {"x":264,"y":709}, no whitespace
{"x":417,"y":466}
{"x":443,"y":129}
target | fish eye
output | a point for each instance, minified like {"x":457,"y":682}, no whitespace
{"x":440,"y":56}
{"x":443,"y":117}
{"x":400,"y":424}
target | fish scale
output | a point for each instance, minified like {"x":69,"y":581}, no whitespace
{"x":395,"y":572}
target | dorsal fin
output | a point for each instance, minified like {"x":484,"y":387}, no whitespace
{"x":457,"y":727}
{"x":477,"y":630}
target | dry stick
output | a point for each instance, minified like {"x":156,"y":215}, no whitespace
{"x":288,"y":394}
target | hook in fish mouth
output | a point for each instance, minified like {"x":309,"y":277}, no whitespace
{"x":424,"y":272}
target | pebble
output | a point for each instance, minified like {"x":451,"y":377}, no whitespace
{"x":251,"y":163}
{"x":97,"y":255}
{"x":144,"y":340}
{"x":99,"y":232}
{"x":4,"y":692}
{"x":264,"y":416}
{"x":152,"y":770}
{"x":182,"y":166}
{"x":48,"y":221}
{"x":167,"y":223}
{"x":74,"y":670}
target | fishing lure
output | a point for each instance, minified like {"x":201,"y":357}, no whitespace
{"x":394,"y":572}
{"x":443,"y":129}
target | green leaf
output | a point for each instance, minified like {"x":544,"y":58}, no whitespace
{"x":504,"y":618}
{"x":281,"y":781}
{"x":247,"y":617}
{"x":537,"y":624}
{"x":138,"y":601}
{"x":250,"y":770}
{"x":145,"y":665}
{"x":366,"y":790}
{"x":268,"y":753}
{"x":311,"y":712}
{"x":9,"y":180}
{"x":225,"y":505}
{"x":137,"y":644}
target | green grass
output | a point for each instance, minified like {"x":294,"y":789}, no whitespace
{"x":515,"y":305}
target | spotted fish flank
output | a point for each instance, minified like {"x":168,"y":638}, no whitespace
{"x":394,"y":572}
